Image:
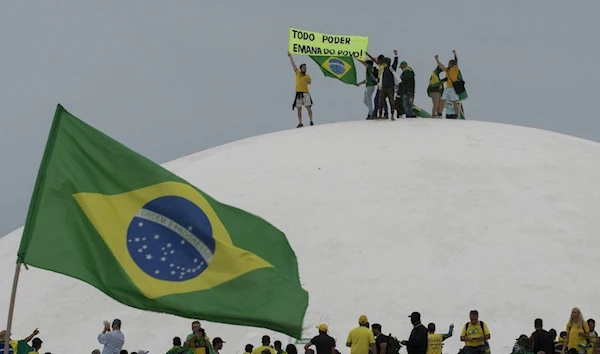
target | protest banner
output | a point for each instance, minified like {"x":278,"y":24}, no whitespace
{"x":303,"y":42}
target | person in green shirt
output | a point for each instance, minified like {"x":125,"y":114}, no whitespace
{"x":177,"y":348}
{"x":370,"y":83}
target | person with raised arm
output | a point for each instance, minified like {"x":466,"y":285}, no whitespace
{"x":302,"y":95}
{"x":452,"y":75}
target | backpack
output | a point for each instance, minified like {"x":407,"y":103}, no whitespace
{"x":393,"y":345}
{"x":487,"y":345}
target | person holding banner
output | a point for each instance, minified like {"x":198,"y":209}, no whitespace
{"x":302,"y":95}
{"x":370,"y":82}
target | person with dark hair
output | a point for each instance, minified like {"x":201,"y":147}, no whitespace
{"x":381,"y":340}
{"x":435,"y":341}
{"x":417,"y":342}
{"x":248,"y":349}
{"x":197,"y":341}
{"x":324,"y":343}
{"x":541,"y":340}
{"x":475,"y":334}
{"x":177,"y":348}
{"x":593,"y":335}
{"x":277,"y":347}
{"x":113,"y":340}
{"x":217,"y":344}
{"x":291,"y":349}
{"x":381,"y":65}
{"x":370,"y":82}
{"x":266,"y":345}
{"x":522,"y":346}
{"x":452,"y":75}
{"x":406,"y":89}
{"x":435,"y":90}
{"x":303,"y":97}
{"x":36,"y":345}
{"x":386,"y":85}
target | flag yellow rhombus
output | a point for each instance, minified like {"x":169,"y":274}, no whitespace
{"x":167,"y":238}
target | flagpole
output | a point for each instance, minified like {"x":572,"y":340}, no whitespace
{"x":11,"y":307}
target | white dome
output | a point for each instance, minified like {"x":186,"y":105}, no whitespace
{"x":435,"y":216}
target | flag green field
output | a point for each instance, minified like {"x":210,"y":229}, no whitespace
{"x":341,"y":68}
{"x":105,"y":215}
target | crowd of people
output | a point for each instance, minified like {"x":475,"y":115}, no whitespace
{"x":394,"y":94}
{"x":579,"y":337}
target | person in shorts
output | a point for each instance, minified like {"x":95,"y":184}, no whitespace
{"x":452,"y":75}
{"x":302,"y":98}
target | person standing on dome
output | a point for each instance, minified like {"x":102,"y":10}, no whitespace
{"x":302,"y":95}
{"x":452,"y":76}
{"x":113,"y":340}
{"x":361,"y":338}
{"x":370,"y":82}
{"x":417,"y":342}
{"x":197,"y":341}
{"x":475,"y":334}
{"x":435,"y":340}
{"x":577,"y":333}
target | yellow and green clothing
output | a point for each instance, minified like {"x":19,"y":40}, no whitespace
{"x":435,"y":84}
{"x":199,"y":346}
{"x":360,"y":340}
{"x":452,"y":75}
{"x":475,"y":330}
{"x":302,"y":81}
{"x":176,"y":350}
{"x":435,"y":342}
{"x":260,"y":349}
{"x":576,"y":340}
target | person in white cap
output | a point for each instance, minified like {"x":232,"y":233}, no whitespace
{"x":113,"y":340}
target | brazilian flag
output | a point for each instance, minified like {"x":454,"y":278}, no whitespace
{"x":341,"y":68}
{"x":105,"y":215}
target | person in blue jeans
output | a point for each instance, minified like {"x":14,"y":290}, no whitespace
{"x":406,"y":89}
{"x":370,"y":82}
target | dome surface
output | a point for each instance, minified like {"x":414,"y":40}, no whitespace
{"x":435,"y":216}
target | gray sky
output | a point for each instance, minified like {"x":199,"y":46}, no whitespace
{"x":169,"y":78}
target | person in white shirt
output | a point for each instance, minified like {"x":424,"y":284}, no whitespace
{"x":113,"y":340}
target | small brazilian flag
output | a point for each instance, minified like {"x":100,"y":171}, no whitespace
{"x":110,"y":217}
{"x":341,"y":68}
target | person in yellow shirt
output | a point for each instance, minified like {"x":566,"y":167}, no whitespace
{"x":197,"y":341}
{"x":266,"y":344}
{"x":452,"y":75}
{"x":361,"y":338}
{"x":475,"y":334}
{"x":435,"y":340}
{"x":577,"y":333}
{"x":302,"y":95}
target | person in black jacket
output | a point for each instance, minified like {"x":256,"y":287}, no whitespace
{"x":406,"y":89}
{"x":387,"y":85}
{"x":417,"y":343}
{"x":541,"y":340}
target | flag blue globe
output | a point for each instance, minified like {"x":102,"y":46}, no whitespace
{"x":337,"y":66}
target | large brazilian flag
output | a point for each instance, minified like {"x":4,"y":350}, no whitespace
{"x":110,"y":217}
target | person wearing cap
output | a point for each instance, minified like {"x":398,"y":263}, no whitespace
{"x":17,"y":346}
{"x":417,"y":342}
{"x":435,"y":341}
{"x":406,"y":89}
{"x":248,"y":349}
{"x":177,"y":348}
{"x":36,"y":345}
{"x":523,"y":345}
{"x":113,"y":340}
{"x":197,"y":341}
{"x":361,"y":339}
{"x":217,"y":344}
{"x":266,"y":344}
{"x":324,"y":343}
{"x":475,"y":334}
